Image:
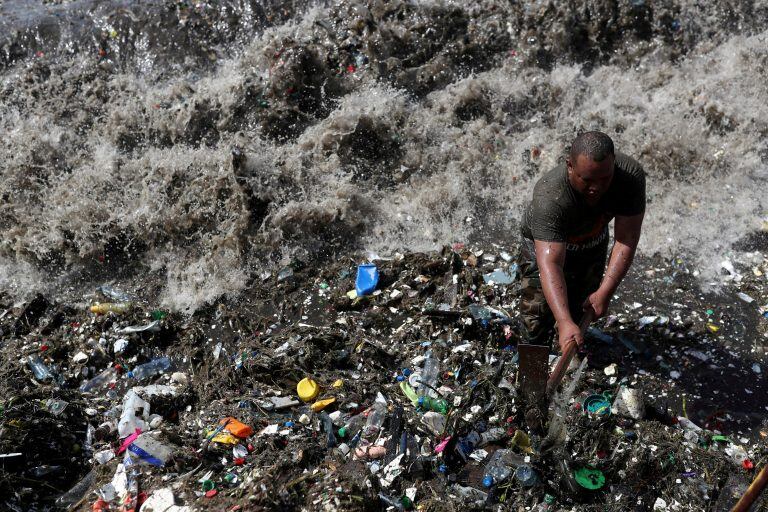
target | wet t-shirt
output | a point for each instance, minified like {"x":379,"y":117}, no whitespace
{"x":558,"y":213}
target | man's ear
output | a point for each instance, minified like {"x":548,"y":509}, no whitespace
{"x":569,"y":165}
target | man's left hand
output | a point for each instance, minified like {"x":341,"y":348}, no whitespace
{"x":598,"y":303}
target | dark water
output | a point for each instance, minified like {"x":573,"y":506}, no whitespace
{"x":204,"y":143}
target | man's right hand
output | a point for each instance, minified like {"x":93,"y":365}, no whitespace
{"x":567,"y":332}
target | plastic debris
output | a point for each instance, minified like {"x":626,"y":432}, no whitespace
{"x":500,"y":276}
{"x":40,"y":370}
{"x":589,"y":478}
{"x":442,"y":349}
{"x":307,"y":389}
{"x":153,"y":326}
{"x":496,"y":470}
{"x":150,"y":450}
{"x":322,"y":404}
{"x":367,"y":279}
{"x":150,"y":369}
{"x":111,"y":307}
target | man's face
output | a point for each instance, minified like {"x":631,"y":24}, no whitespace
{"x":589,"y":178}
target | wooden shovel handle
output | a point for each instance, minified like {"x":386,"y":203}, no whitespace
{"x":753,"y":492}
{"x":568,"y":353}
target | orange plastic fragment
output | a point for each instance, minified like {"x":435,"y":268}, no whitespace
{"x":236,"y":428}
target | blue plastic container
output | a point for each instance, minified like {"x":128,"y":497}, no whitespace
{"x":367,"y":279}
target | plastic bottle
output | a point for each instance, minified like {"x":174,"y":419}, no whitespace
{"x":114,"y":293}
{"x":151,"y":368}
{"x":76,"y":493}
{"x":39,"y":368}
{"x":427,"y":403}
{"x":327,"y":424}
{"x":526,"y":475}
{"x":428,"y":376}
{"x":41,"y":471}
{"x":104,"y":377}
{"x":391,"y":502}
{"x":688,"y":424}
{"x":492,"y":435}
{"x":129,"y":421}
{"x":545,"y":505}
{"x":352,"y":426}
{"x":466,"y":445}
{"x":496,"y":470}
{"x":110,"y":307}
{"x":375,"y":420}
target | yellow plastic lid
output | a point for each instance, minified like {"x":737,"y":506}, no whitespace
{"x":322,"y":404}
{"x":307,"y":389}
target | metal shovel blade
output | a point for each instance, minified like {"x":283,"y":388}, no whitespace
{"x":534,"y":370}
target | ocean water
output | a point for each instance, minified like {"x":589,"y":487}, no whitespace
{"x":205,"y":143}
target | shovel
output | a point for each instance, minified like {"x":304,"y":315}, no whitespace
{"x":570,"y":350}
{"x":534,"y":364}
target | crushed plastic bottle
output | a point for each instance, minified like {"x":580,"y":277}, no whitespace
{"x":101,"y":379}
{"x":154,"y":367}
{"x":352,"y":426}
{"x":376,"y":417}
{"x":428,"y":376}
{"x":76,"y":493}
{"x":327,"y":424}
{"x":284,"y":274}
{"x":150,"y":451}
{"x":466,"y":445}
{"x":526,"y":475}
{"x":496,"y":470}
{"x":114,"y":293}
{"x":492,"y":435}
{"x":41,"y":471}
{"x":134,"y":416}
{"x":391,"y":502}
{"x":688,"y":424}
{"x":39,"y":368}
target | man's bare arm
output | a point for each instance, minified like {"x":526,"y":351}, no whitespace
{"x":627,"y":235}
{"x":550,"y":257}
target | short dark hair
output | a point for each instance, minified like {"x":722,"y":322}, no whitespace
{"x":595,"y":145}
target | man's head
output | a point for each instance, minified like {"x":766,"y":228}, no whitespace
{"x":590,"y":165}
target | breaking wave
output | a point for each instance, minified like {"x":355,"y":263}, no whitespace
{"x":201,"y":145}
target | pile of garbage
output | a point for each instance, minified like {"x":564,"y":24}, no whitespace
{"x":386,"y":385}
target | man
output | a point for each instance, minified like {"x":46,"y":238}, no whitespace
{"x":565,"y":237}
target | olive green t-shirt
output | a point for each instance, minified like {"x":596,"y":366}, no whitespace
{"x":558,"y":213}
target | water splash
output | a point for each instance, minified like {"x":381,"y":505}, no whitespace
{"x":227,"y":140}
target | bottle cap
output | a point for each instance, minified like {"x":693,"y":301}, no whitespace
{"x":307,"y":389}
{"x":487,"y":480}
